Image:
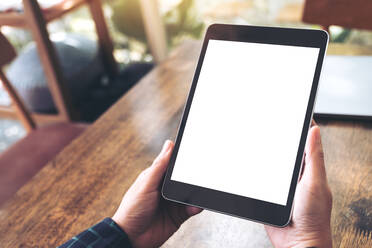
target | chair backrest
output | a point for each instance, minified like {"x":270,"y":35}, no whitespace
{"x":345,"y":13}
{"x":7,"y":55}
{"x":7,"y":51}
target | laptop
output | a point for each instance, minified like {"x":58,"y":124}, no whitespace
{"x":345,"y":88}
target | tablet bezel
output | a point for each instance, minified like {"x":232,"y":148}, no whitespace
{"x":227,"y":203}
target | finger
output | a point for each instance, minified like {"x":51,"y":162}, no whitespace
{"x":314,"y":160}
{"x":179,"y":213}
{"x":313,"y":123}
{"x":159,"y":166}
{"x":160,"y":163}
{"x":192,"y":210}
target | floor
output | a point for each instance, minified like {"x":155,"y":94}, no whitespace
{"x":209,"y":229}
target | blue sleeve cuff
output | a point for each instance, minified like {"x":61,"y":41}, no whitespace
{"x":104,"y":234}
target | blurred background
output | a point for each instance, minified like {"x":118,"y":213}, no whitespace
{"x":181,"y":20}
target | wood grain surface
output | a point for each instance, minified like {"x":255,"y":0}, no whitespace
{"x":86,"y":181}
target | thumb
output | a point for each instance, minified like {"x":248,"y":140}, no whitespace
{"x":314,"y":157}
{"x":158,"y":168}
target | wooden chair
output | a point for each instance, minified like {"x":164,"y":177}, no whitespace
{"x":349,"y":14}
{"x":345,"y":13}
{"x":155,"y":29}
{"x":36,"y":19}
{"x":24,"y":159}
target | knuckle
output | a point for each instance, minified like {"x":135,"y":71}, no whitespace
{"x":321,"y":154}
{"x":329,"y":195}
{"x":144,"y":173}
{"x":158,"y":161}
{"x":316,"y":187}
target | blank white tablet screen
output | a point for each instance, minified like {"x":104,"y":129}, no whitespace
{"x":245,"y":122}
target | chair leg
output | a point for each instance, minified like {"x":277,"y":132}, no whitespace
{"x":20,"y":108}
{"x":49,"y":60}
{"x":106,"y":45}
{"x":154,"y":28}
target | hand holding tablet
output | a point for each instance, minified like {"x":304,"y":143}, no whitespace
{"x":149,"y":220}
{"x":240,"y":144}
{"x":310,"y":225}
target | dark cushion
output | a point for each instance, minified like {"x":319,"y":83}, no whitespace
{"x":24,"y":159}
{"x":81,"y":66}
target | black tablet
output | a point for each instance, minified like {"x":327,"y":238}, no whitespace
{"x":240,"y":143}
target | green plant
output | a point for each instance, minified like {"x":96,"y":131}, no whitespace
{"x":180,"y":21}
{"x":342,"y":36}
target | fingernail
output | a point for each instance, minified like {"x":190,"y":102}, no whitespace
{"x":165,"y":147}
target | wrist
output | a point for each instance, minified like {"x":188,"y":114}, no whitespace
{"x":121,"y":224}
{"x":320,"y":243}
{"x":120,"y":221}
{"x":321,"y":238}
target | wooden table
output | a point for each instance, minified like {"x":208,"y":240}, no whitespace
{"x":86,"y":181}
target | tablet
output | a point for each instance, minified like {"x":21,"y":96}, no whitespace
{"x":240,"y":143}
